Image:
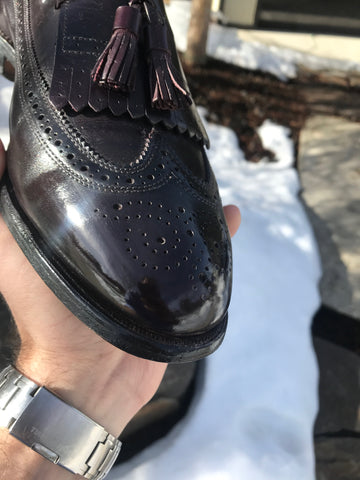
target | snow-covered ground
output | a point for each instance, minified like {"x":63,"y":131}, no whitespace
{"x":226,"y":44}
{"x":254,"y":418}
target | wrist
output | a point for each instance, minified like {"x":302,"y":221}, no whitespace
{"x":99,"y":387}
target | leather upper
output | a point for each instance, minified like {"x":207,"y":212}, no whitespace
{"x":128,"y":208}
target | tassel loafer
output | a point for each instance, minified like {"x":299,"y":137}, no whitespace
{"x":108,"y":189}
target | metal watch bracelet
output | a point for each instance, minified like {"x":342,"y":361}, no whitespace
{"x":55,"y":430}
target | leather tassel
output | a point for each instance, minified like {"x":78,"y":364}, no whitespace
{"x":168,"y":91}
{"x":116,"y":67}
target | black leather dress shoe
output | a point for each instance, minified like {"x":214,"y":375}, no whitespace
{"x":108,"y":190}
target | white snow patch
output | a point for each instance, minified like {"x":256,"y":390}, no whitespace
{"x":276,"y":138}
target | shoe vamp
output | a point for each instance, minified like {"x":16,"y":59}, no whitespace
{"x":117,"y":143}
{"x":160,"y":260}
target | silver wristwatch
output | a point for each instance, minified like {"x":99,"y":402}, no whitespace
{"x":55,"y":430}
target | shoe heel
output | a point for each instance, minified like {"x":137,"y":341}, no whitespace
{"x":7,"y":60}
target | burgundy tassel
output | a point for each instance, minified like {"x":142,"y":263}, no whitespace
{"x":116,"y":66}
{"x":167,"y":88}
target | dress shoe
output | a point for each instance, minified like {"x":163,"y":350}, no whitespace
{"x":108,"y":189}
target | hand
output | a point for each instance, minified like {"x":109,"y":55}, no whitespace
{"x":62,"y":353}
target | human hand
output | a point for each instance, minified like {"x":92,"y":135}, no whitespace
{"x":62,"y":353}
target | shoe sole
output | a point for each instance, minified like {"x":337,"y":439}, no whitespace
{"x":120,"y":332}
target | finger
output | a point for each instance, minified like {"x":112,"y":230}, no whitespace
{"x":233,"y":218}
{"x":2,"y":158}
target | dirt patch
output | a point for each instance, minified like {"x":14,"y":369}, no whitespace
{"x":242,"y":99}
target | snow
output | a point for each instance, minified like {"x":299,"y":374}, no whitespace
{"x":277,"y":139}
{"x":225,"y":44}
{"x":254,"y":418}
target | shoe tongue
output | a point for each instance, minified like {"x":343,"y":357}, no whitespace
{"x":85,"y":27}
